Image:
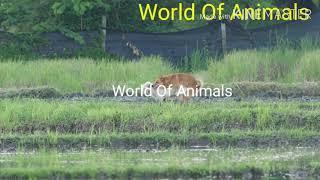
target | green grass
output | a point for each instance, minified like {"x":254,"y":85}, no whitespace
{"x":308,"y":68}
{"x":86,"y":75}
{"x":285,"y":66}
{"x":81,"y":75}
{"x":239,"y":89}
{"x":31,"y":115}
{"x":173,"y":163}
{"x":160,"y":140}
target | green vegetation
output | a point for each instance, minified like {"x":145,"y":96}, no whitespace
{"x":78,"y":75}
{"x":50,"y":127}
{"x":22,"y":22}
{"x":34,"y":16}
{"x":100,"y":129}
{"x":237,"y":163}
{"x":28,"y":116}
{"x":276,"y":65}
{"x":160,"y":140}
{"x":240,"y":89}
{"x":87,"y":75}
{"x":68,"y":17}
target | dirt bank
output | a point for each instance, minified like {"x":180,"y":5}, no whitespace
{"x":12,"y":143}
{"x":249,"y":90}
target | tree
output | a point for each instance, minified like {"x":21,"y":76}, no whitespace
{"x":70,"y":16}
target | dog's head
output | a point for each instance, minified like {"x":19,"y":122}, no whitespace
{"x":159,"y":82}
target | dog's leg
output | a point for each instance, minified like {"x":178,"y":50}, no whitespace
{"x":186,"y":98}
{"x":183,"y":99}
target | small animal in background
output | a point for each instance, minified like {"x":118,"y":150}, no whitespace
{"x":135,"y":51}
{"x":182,"y":85}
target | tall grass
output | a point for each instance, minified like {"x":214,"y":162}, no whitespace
{"x":266,"y":65}
{"x":81,"y":74}
{"x":197,"y":61}
{"x":282,"y":65}
{"x":308,"y":69}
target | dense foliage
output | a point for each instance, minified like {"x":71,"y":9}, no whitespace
{"x":68,"y":15}
{"x":76,"y":15}
{"x":33,"y":17}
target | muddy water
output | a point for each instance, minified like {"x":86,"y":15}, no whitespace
{"x":185,"y":158}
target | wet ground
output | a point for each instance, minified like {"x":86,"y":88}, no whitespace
{"x":283,"y":163}
{"x":157,"y":142}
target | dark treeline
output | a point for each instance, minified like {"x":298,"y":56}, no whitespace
{"x":26,"y":20}
{"x":67,"y":16}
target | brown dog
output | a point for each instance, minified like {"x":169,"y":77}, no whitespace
{"x":179,"y":82}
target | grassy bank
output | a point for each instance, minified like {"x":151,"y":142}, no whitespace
{"x":87,"y":75}
{"x":160,"y":140}
{"x":239,"y":89}
{"x":237,"y":163}
{"x":31,"y":115}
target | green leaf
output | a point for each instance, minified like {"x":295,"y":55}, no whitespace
{"x":58,"y":8}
